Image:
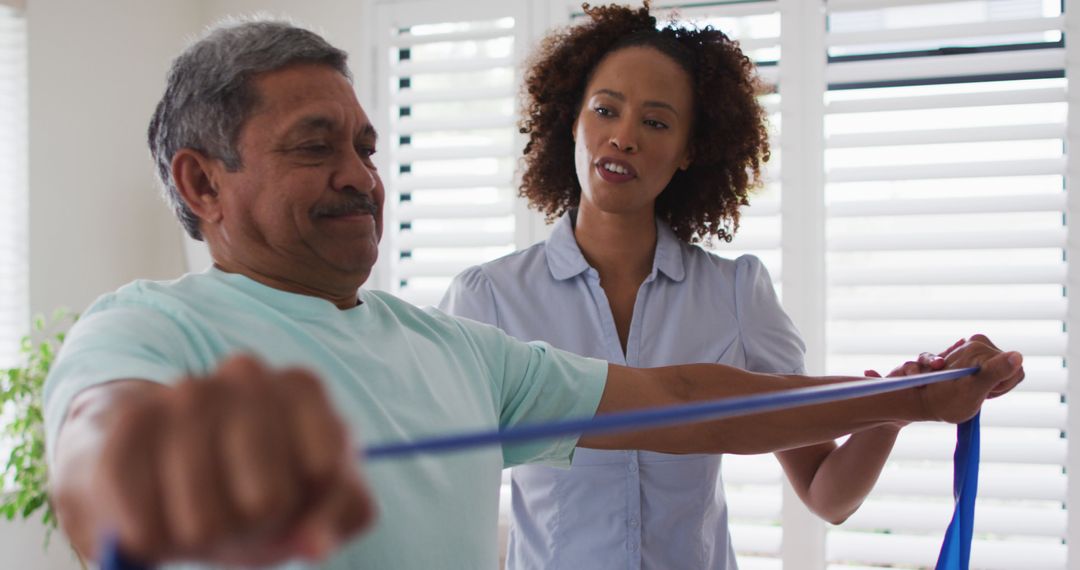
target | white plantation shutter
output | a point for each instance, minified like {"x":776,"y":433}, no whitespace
{"x":14,"y":295}
{"x":945,"y":158}
{"x":446,"y":74}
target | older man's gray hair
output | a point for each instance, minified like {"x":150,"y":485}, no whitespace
{"x":209,"y":94}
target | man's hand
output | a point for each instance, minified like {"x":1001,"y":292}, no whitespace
{"x":959,"y":400}
{"x":248,"y":466}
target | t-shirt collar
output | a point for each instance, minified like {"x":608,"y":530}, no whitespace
{"x":290,"y":303}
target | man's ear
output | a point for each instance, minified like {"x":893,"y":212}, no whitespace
{"x":196,"y":175}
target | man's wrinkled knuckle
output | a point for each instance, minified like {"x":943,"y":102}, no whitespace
{"x":303,"y":383}
{"x":192,"y":537}
{"x":258,"y":503}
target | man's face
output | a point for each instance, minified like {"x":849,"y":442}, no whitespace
{"x":306,"y":205}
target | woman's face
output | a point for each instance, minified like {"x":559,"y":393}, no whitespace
{"x":633,"y":130}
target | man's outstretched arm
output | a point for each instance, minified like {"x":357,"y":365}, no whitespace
{"x":952,"y":401}
{"x":210,"y":468}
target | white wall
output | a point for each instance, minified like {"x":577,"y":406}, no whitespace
{"x":96,"y":219}
{"x":23,"y":547}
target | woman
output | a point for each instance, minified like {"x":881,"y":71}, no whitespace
{"x":641,"y":142}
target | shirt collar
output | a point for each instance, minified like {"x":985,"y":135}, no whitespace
{"x":565,"y":259}
{"x":669,"y":253}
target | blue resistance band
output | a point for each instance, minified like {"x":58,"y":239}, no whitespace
{"x":956,"y":548}
{"x":958,"y":542}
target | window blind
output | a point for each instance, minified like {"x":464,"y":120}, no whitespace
{"x":14,"y":294}
{"x":945,"y":191}
{"x":449,"y":78}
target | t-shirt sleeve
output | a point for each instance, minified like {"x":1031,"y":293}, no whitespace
{"x":770,"y":339}
{"x":535,"y":382}
{"x":471,"y":296}
{"x":110,"y":343}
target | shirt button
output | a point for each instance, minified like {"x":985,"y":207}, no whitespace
{"x":633,"y":546}
{"x":633,"y":523}
{"x":632,"y":468}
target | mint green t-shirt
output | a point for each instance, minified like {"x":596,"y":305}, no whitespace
{"x":394,"y":373}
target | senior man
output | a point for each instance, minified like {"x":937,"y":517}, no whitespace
{"x":213,"y":418}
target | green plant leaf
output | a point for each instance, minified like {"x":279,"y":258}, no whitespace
{"x":20,"y":397}
{"x":32,"y":504}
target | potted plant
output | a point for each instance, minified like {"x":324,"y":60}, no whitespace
{"x":24,"y":480}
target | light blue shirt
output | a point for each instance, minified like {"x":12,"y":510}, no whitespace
{"x":627,"y":510}
{"x":393,"y":372}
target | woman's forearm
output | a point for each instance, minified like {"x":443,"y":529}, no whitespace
{"x":834,"y":481}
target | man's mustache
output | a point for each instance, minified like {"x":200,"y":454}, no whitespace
{"x":350,"y":202}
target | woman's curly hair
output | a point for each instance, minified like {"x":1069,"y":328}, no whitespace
{"x":728,"y":140}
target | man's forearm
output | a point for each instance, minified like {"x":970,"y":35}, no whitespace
{"x":757,"y":433}
{"x":244,"y":467}
{"x":78,"y":448}
{"x":794,"y":427}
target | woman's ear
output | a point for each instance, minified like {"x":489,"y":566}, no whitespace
{"x":687,"y":160}
{"x":195,"y":176}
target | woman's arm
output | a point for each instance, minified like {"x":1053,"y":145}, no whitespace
{"x":833,"y":481}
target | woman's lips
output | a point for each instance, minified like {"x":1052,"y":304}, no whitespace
{"x":607,"y":175}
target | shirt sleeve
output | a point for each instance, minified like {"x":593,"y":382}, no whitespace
{"x":471,"y":296}
{"x":535,"y":382}
{"x":770,"y":339}
{"x":111,"y":343}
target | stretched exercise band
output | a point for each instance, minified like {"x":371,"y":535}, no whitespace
{"x":955,"y":550}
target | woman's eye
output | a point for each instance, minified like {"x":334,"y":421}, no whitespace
{"x":656,"y":124}
{"x":603,"y":111}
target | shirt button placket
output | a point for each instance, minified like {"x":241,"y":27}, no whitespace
{"x":633,"y":511}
